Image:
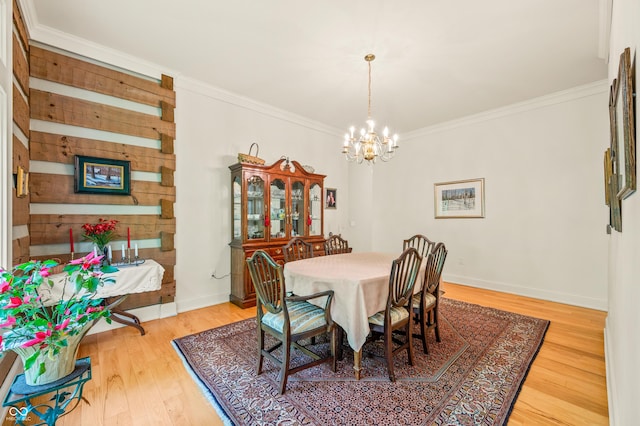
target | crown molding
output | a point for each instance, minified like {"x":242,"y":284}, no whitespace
{"x":597,"y":87}
{"x":79,"y":47}
{"x":222,"y":95}
{"x":76,"y":46}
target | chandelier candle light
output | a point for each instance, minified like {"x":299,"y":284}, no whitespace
{"x":368,"y":146}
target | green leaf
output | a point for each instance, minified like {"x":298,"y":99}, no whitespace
{"x":28,"y":363}
{"x":108,"y":269}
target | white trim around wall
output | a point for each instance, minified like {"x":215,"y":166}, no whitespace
{"x":610,"y":376}
{"x":570,"y":299}
{"x":146,"y":313}
{"x":517,"y":108}
{"x":212,"y":92}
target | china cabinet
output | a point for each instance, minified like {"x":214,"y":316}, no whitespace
{"x":269,"y":206}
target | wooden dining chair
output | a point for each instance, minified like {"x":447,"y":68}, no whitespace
{"x":425,"y":304}
{"x":421,"y":243}
{"x":297,"y":249}
{"x":289,"y":319}
{"x":335,"y":244}
{"x":397,"y":315}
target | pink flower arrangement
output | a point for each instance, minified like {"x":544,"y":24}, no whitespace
{"x":25,"y":321}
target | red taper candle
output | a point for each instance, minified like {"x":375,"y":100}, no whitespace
{"x":71,"y":239}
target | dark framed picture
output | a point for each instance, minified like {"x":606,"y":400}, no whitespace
{"x":624,"y":127}
{"x":331,"y":198}
{"x":102,"y":176}
{"x":459,"y":199}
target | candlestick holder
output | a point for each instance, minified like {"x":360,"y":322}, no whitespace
{"x":128,"y":260}
{"x":72,"y":255}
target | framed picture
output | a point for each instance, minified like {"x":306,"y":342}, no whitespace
{"x":608,"y":173}
{"x":611,"y":176}
{"x":102,"y":176}
{"x":331,"y":198}
{"x":624,"y":128}
{"x":459,"y":199}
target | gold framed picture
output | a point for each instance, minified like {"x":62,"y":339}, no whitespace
{"x":459,"y":199}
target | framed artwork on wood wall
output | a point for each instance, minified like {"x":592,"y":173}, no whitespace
{"x":95,"y":175}
{"x":624,"y":127}
{"x":459,"y":199}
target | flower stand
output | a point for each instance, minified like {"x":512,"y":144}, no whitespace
{"x":46,"y":402}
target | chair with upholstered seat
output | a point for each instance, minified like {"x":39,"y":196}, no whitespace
{"x":335,"y":244}
{"x":297,"y":249}
{"x":289,"y":319}
{"x":425,"y":304}
{"x":421,"y":243}
{"x":397,"y":316}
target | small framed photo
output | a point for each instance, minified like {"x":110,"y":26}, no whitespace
{"x":331,"y":198}
{"x":102,"y":176}
{"x":459,"y":199}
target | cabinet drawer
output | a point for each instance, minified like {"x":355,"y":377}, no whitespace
{"x":276,"y":252}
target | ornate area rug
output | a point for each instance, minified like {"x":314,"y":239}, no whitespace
{"x":472,"y":377}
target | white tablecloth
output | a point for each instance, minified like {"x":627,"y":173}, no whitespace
{"x":129,"y":279}
{"x":360,"y":282}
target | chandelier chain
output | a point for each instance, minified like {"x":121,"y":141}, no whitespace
{"x":370,"y":145}
{"x":369,"y":104}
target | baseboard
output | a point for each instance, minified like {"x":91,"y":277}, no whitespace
{"x":608,"y":362}
{"x":147,"y":313}
{"x":552,"y":296}
{"x":202,"y":302}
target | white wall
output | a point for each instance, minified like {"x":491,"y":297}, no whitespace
{"x":213,"y":126}
{"x":622,"y":335}
{"x":544,"y":230}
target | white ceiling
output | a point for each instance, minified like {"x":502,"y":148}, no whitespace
{"x":435,"y":60}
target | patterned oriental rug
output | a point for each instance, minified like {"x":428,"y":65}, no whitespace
{"x":472,"y":377}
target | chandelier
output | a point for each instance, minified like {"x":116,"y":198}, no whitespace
{"x":368,"y":145}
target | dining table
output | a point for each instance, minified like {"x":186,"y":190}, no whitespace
{"x":360,"y":282}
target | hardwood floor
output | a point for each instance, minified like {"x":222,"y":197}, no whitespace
{"x":140,"y":380}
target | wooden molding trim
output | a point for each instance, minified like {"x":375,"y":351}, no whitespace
{"x":167,"y":111}
{"x":166,"y":241}
{"x":166,"y":209}
{"x":166,"y":143}
{"x":166,"y":176}
{"x":166,"y":82}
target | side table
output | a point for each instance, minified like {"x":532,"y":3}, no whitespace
{"x":25,"y":402}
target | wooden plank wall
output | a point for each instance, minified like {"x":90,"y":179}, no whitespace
{"x":111,"y":130}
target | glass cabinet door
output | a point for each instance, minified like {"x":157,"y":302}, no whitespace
{"x":255,"y":208}
{"x":315,"y":210}
{"x":237,"y":209}
{"x":297,"y":209}
{"x":278,"y":203}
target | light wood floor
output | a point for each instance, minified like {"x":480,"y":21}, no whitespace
{"x":140,"y":380}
